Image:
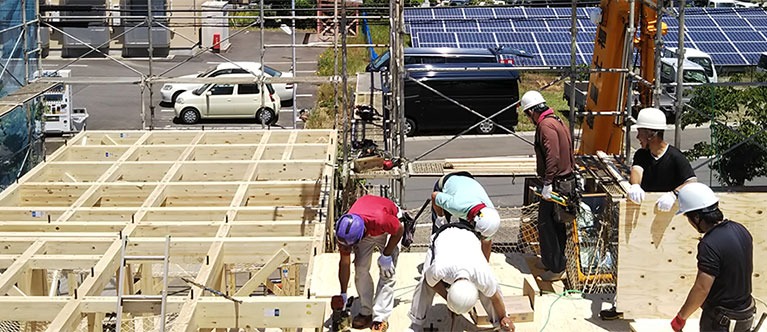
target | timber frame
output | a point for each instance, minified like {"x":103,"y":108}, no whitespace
{"x":225,"y":197}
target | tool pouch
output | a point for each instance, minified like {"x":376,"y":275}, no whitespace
{"x":567,"y":188}
{"x":735,"y":320}
{"x":409,"y":224}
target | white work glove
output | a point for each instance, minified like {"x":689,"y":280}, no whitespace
{"x":546,"y":192}
{"x":636,"y":193}
{"x":666,"y":202}
{"x":386,"y":264}
{"x":441,"y":220}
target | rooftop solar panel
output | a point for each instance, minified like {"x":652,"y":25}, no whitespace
{"x":726,"y":33}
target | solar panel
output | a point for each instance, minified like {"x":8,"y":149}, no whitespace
{"x":733,"y":36}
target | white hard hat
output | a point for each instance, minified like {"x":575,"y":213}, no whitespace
{"x":651,"y":118}
{"x":461,"y":296}
{"x":530,"y":99}
{"x":695,"y":196}
{"x":487,"y":221}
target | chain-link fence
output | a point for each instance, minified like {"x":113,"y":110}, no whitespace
{"x":591,"y":255}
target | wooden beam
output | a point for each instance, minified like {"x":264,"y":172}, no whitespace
{"x":9,"y":277}
{"x":259,"y":277}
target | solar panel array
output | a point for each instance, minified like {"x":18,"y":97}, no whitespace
{"x":732,"y":36}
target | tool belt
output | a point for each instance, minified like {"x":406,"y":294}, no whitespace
{"x":567,"y":187}
{"x":733,"y":320}
{"x":443,"y":179}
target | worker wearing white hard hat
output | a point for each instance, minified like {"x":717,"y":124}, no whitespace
{"x":455,"y":269}
{"x":460,"y":195}
{"x":555,"y":166}
{"x":657,"y":166}
{"x":722,"y":286}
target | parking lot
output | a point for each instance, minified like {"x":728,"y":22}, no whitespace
{"x":118,"y":106}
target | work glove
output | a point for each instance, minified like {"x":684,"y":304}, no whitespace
{"x":666,"y":202}
{"x":678,"y":323}
{"x":386,"y":264}
{"x":546,"y":192}
{"x":636,"y":194}
{"x":441,"y":220}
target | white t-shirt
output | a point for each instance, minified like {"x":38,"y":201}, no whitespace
{"x":458,"y":254}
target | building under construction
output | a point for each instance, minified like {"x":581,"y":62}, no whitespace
{"x":200,"y":229}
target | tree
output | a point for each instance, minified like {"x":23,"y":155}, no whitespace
{"x":745,"y":111}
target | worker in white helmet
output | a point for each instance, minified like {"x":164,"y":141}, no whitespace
{"x":460,"y":195}
{"x":658,"y":166}
{"x":455,"y":269}
{"x":555,"y":165}
{"x":722,"y":287}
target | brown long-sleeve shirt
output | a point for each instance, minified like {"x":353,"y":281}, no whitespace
{"x":553,"y":149}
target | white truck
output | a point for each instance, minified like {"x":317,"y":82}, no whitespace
{"x":59,"y":116}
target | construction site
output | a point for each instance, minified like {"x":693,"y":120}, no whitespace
{"x":140,"y":222}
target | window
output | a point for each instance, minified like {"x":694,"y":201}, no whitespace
{"x":471,"y":59}
{"x":695,"y":76}
{"x":222,"y":89}
{"x":706,"y":64}
{"x":221,"y":72}
{"x":247,"y":89}
{"x":201,"y":89}
{"x":668,"y":73}
{"x":240,"y":71}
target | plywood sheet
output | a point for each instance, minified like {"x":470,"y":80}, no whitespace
{"x":657,"y":253}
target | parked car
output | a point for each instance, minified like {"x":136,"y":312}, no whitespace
{"x":437,"y":55}
{"x":696,"y":56}
{"x":170,"y":91}
{"x":485,"y":92}
{"x":229,"y":101}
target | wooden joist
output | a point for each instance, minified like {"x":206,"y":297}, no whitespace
{"x":225,"y":198}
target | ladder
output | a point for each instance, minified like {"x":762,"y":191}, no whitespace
{"x":123,"y":299}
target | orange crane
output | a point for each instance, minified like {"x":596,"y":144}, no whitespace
{"x":607,"y":91}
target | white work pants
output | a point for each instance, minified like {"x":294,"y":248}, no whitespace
{"x":424,"y":295}
{"x":382,"y":304}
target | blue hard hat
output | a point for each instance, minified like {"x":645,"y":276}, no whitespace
{"x":350,"y":229}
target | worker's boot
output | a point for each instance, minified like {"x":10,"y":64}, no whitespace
{"x":379,"y":327}
{"x":362,"y":321}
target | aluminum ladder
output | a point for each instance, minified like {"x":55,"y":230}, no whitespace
{"x":162,"y":298}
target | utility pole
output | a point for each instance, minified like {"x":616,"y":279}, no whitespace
{"x":293,"y":59}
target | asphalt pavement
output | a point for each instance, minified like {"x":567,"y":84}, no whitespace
{"x":118,"y":106}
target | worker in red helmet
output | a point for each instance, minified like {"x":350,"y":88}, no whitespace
{"x":722,"y":287}
{"x":372,"y":222}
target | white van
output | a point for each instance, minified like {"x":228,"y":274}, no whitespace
{"x":697,"y":56}
{"x":730,"y":4}
{"x":230,"y":100}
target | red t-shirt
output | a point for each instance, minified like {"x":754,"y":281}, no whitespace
{"x":380,"y":215}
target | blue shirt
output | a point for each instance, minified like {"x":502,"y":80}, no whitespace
{"x":460,"y":194}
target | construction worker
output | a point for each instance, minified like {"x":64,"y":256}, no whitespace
{"x":657,"y":166}
{"x":454,"y":269}
{"x":555,"y":166}
{"x":367,"y":225}
{"x":458,"y":194}
{"x":725,"y":265}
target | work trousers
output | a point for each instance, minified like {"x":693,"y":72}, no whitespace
{"x":382,"y":304}
{"x":424,"y":295}
{"x":709,"y":323}
{"x":551,"y":237}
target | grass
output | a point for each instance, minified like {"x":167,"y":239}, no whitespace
{"x":553,"y":95}
{"x":357,"y":58}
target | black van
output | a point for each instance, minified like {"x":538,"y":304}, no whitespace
{"x":438,"y":55}
{"x":485,"y":92}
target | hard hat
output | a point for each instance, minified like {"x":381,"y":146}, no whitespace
{"x":487,"y":221}
{"x":696,"y":196}
{"x":350,"y":228}
{"x":651,"y":118}
{"x":461,"y":296}
{"x":530,"y":99}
